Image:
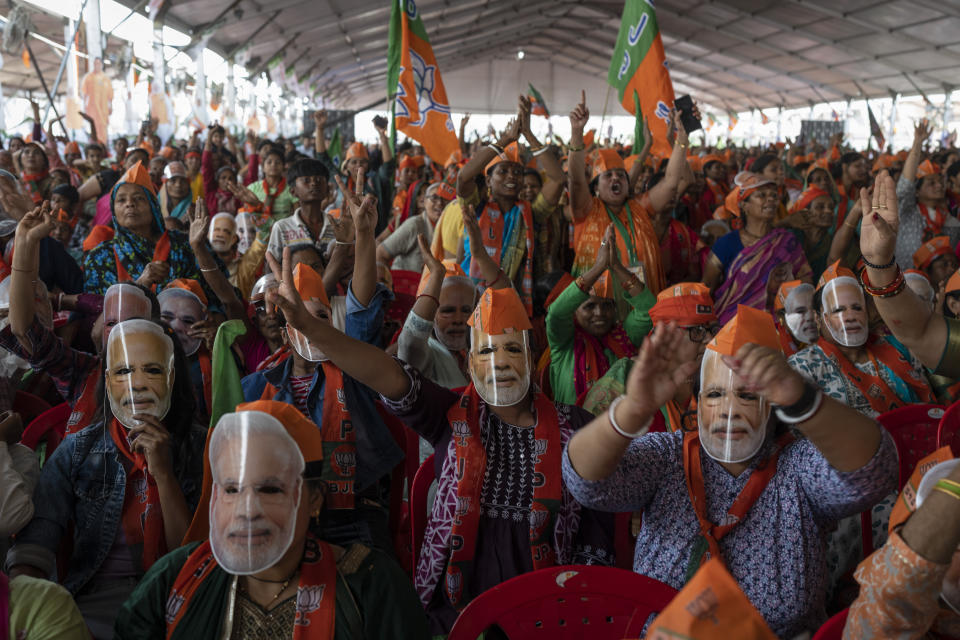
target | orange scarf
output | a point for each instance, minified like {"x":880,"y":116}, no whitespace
{"x":873,"y":387}
{"x":932,"y":226}
{"x":787,"y":343}
{"x":463,"y":418}
{"x":316,"y":593}
{"x":339,"y":439}
{"x":86,"y":405}
{"x":272,"y":195}
{"x":677,"y":419}
{"x":142,"y":516}
{"x":161,"y":253}
{"x":639,"y":243}
{"x":708,"y":545}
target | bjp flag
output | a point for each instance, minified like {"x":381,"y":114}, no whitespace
{"x":421,"y":109}
{"x":638,"y":64}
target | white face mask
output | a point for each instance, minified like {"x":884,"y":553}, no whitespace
{"x":139,"y":371}
{"x":257,"y":471}
{"x":799,"y":315}
{"x":500,"y":367}
{"x":732,"y":420}
{"x":844,"y":312}
{"x":304,"y":347}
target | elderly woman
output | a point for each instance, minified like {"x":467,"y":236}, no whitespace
{"x":141,"y":250}
{"x":400,"y":250}
{"x":747,"y":266}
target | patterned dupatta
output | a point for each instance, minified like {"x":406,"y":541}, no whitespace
{"x":932,"y":225}
{"x":590,"y":359}
{"x":502,"y":242}
{"x":316,"y":610}
{"x":34,"y":184}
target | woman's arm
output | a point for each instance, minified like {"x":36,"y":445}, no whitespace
{"x":31,"y":229}
{"x":845,"y":234}
{"x":665,"y":190}
{"x":712,"y":272}
{"x":580,"y":197}
{"x":466,"y":183}
{"x":921,"y":131}
{"x":214,"y":277}
{"x":490,"y":271}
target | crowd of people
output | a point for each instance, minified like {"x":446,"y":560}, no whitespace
{"x":702,"y":339}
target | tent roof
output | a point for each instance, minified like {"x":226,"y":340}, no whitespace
{"x":736,"y":54}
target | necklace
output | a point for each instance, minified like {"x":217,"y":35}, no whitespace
{"x":283,"y":587}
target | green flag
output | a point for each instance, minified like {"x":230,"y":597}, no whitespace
{"x":335,"y":147}
{"x":638,"y":137}
{"x":538,"y":105}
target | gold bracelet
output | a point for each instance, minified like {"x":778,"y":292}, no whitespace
{"x":572,"y":149}
{"x":946,"y":491}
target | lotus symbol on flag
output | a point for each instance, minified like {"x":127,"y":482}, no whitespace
{"x":423,"y":80}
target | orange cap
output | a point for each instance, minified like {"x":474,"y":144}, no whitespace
{"x":167,"y":152}
{"x":812,"y":193}
{"x":188,"y":284}
{"x":303,"y":431}
{"x":696,"y":164}
{"x":606,"y":160}
{"x":931,"y":250}
{"x":356,"y":150}
{"x":603,"y":287}
{"x":833,"y":272}
{"x":71,"y":147}
{"x":780,"y":303}
{"x":450,"y":266}
{"x":588,"y":138}
{"x":309,"y":284}
{"x":686,"y":303}
{"x":500,"y":311}
{"x":99,"y":234}
{"x":732,"y":202}
{"x":511,"y":153}
{"x":927,"y":168}
{"x":953,"y":283}
{"x":884,"y":161}
{"x":411,"y":162}
{"x":748,"y":326}
{"x":710,"y":158}
{"x":137,"y":174}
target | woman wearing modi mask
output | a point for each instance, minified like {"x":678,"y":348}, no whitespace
{"x":740,"y":264}
{"x":265,"y":572}
{"x":501,"y":509}
{"x":128,"y":483}
{"x":869,"y":374}
{"x":795,"y":318}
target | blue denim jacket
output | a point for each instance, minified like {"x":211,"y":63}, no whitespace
{"x":377,"y":451}
{"x":83,"y":482}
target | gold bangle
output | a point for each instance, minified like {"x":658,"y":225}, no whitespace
{"x":946,"y":491}
{"x":572,"y":149}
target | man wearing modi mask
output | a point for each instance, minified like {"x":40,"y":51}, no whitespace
{"x":264,"y":571}
{"x":183,"y":306}
{"x":795,"y":318}
{"x":501,"y":509}
{"x":870,"y":374}
{"x":739,"y":487}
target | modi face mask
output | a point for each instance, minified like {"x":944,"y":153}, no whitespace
{"x":304,"y":348}
{"x":246,"y":231}
{"x":180,"y":309}
{"x":139,"y":371}
{"x":257,"y":471}
{"x":223,"y":232}
{"x":732,"y":419}
{"x":123,"y":302}
{"x":844,"y":311}
{"x":799,"y":315}
{"x":500,"y":366}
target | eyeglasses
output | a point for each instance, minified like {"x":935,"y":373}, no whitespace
{"x":700,"y":331}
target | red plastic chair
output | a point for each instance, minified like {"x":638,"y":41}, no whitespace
{"x":832,"y":629}
{"x":574,"y":601}
{"x":948,"y":433}
{"x":914,"y":429}
{"x":29,"y":406}
{"x":419,"y":491}
{"x":51,"y":425}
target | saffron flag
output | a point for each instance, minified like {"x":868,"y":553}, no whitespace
{"x":734,"y":119}
{"x":638,"y":64}
{"x":875,"y":130}
{"x":537,"y":105}
{"x":763,"y":118}
{"x":421,"y":109}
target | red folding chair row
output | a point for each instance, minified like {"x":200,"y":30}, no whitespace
{"x":832,"y":629}
{"x":949,"y":432}
{"x":50,"y":427}
{"x":29,"y":406}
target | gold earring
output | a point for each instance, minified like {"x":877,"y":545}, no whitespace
{"x":315,"y":514}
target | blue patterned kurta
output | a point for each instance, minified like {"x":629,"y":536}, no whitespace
{"x":777,"y":553}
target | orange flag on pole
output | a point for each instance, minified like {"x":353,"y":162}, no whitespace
{"x":639,"y":64}
{"x":421,"y":108}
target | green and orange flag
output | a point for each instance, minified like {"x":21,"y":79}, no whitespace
{"x":538,"y":106}
{"x":421,"y":108}
{"x":638,"y":64}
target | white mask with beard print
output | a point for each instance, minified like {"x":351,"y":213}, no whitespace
{"x":844,"y":311}
{"x":732,"y":420}
{"x":257,"y":471}
{"x":500,"y":366}
{"x":799,"y":315}
{"x":139,"y":371}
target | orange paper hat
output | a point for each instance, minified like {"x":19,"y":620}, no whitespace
{"x":450,"y":266}
{"x":746,"y":182}
{"x":411,"y":162}
{"x":833,"y":272}
{"x":603,"y":287}
{"x":71,"y":147}
{"x":710,"y":158}
{"x":748,"y":326}
{"x":356,"y":150}
{"x":99,"y":234}
{"x":629,"y":161}
{"x":606,"y":160}
{"x":588,"y":138}
{"x":138,"y":174}
{"x":710,"y":606}
{"x":884,"y":161}
{"x":188,"y":284}
{"x":500,"y":311}
{"x":511,"y":153}
{"x":812,"y":193}
{"x":303,"y":431}
{"x":696,"y":164}
{"x":953,"y":283}
{"x":732,"y":202}
{"x":927,"y":168}
{"x":686,"y":303}
{"x":930,"y":251}
{"x":780,"y":303}
{"x":901,"y":156}
{"x":309,"y":284}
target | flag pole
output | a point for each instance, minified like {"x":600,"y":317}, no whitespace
{"x":603,"y":117}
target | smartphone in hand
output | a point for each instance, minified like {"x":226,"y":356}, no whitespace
{"x":684,"y":104}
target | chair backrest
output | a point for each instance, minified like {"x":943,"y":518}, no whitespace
{"x":914,"y":429}
{"x":51,"y":425}
{"x":948,"y":433}
{"x":419,"y":491}
{"x":29,"y":406}
{"x":832,"y":629}
{"x":573,"y":601}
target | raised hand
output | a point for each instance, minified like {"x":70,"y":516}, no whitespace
{"x":320,"y":118}
{"x":511,"y":134}
{"x":199,"y":222}
{"x":363,"y":212}
{"x":523,"y":114}
{"x":154,"y":273}
{"x":285,"y":296}
{"x":878,"y":229}
{"x":657,"y":372}
{"x":430,"y":260}
{"x":35,"y":225}
{"x":206,"y":330}
{"x":244,"y":194}
{"x":766,"y":371}
{"x":580,"y":115}
{"x":921,"y":131}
